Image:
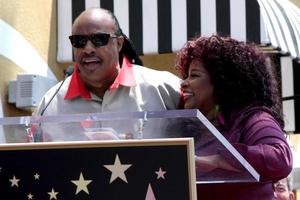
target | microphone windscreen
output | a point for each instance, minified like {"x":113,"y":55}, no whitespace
{"x":69,"y":71}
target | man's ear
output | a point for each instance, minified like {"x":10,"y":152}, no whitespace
{"x":120,"y":41}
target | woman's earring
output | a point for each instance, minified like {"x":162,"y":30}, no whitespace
{"x":216,"y":111}
{"x":218,"y":115}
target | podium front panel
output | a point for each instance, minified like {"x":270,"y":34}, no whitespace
{"x":131,"y":169}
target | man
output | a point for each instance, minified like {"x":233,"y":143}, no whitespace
{"x":99,"y":83}
{"x":282,"y":190}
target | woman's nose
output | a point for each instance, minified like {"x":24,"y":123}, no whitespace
{"x":184,"y":83}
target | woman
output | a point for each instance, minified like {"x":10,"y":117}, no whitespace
{"x":234,"y":86}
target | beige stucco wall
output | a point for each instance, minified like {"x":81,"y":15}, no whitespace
{"x":35,"y":20}
{"x":296,"y":2}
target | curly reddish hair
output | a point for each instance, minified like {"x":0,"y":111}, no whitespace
{"x":240,"y":73}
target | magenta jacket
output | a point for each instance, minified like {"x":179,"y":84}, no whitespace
{"x":260,"y":140}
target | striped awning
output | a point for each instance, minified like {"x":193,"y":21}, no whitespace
{"x":163,"y":26}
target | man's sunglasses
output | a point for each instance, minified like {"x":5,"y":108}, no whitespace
{"x":98,"y":39}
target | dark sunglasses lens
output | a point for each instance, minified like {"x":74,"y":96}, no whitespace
{"x":78,"y":41}
{"x":100,"y":39}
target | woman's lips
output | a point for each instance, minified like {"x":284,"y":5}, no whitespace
{"x":187,"y":95}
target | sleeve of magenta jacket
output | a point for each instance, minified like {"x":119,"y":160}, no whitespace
{"x":264,"y":146}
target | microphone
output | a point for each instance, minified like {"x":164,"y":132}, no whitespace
{"x":38,"y":133}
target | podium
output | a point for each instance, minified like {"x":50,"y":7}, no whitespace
{"x":121,"y":155}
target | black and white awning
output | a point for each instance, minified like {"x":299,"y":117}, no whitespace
{"x":163,"y":26}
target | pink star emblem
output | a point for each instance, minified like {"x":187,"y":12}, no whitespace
{"x":160,"y":173}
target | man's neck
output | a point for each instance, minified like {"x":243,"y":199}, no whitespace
{"x":98,"y":91}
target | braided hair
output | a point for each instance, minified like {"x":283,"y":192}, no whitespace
{"x":128,"y":49}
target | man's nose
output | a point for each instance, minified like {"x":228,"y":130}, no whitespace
{"x":89,"y":47}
